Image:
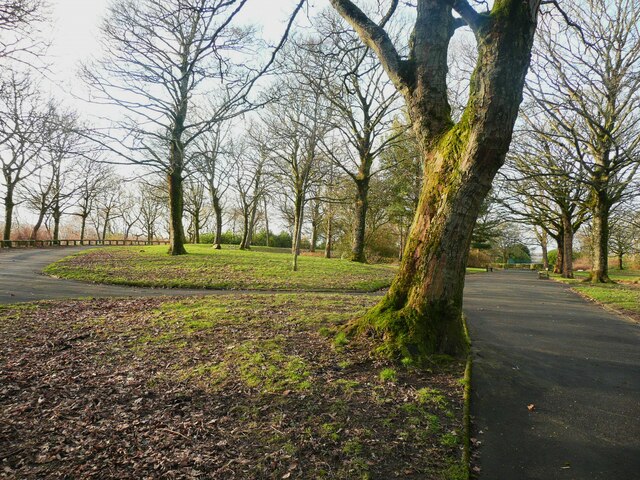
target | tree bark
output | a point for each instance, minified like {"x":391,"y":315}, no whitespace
{"x":600,"y":268}
{"x":567,"y":247}
{"x":245,"y":230}
{"x":176,"y":209}
{"x":361,"y":206}
{"x":38,"y":224}
{"x":559,"y":265}
{"x":314,"y":237}
{"x":422,"y":312}
{"x":8,"y":215}
{"x":217,"y":208}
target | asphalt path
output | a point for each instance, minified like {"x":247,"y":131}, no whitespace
{"x":535,"y":342}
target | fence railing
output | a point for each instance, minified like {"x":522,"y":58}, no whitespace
{"x":75,"y":243}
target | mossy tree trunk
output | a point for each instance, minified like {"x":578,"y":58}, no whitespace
{"x":600,"y":226}
{"x":422,"y":312}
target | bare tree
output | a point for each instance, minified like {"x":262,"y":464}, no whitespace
{"x":162,"y":57}
{"x":362,"y":102}
{"x":195,"y":206}
{"x":214,"y":164}
{"x":249,"y":185}
{"x":422,"y":312}
{"x":587,"y":82}
{"x":152,"y":201}
{"x":544,"y":188}
{"x":20,"y":21}
{"x":94,"y":177}
{"x":295,"y":126}
{"x":106,"y":208}
{"x":23,"y":124}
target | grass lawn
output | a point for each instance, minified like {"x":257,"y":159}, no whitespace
{"x":625,"y":276}
{"x":243,"y":387}
{"x":228,"y":268}
{"x":623,"y":296}
{"x":261,"y":268}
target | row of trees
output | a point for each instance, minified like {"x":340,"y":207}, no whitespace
{"x":575,"y":158}
{"x":357,"y":107}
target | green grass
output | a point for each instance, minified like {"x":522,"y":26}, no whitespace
{"x":623,"y":296}
{"x":626,"y":276}
{"x":207,"y":268}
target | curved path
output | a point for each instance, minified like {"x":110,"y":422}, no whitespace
{"x":536,"y":342}
{"x":21,"y":279}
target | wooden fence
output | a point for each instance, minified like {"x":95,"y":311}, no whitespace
{"x":75,"y":243}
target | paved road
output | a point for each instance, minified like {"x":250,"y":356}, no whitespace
{"x":536,"y":342}
{"x":21,"y":279}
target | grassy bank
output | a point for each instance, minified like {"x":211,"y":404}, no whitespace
{"x":254,"y":386}
{"x":228,"y":268}
{"x":623,"y":296}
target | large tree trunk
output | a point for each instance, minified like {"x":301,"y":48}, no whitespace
{"x":422,"y":312}
{"x":57,"y":215}
{"x":567,"y":247}
{"x":545,"y":254}
{"x":176,"y":209}
{"x":361,"y":205}
{"x":600,"y":268}
{"x":105,"y":227}
{"x":217,"y":208}
{"x":8,"y":215}
{"x":559,"y":265}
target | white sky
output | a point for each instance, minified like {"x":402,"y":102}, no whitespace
{"x":75,"y":38}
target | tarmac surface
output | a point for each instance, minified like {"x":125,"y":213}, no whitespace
{"x":555,"y":382}
{"x":535,"y":342}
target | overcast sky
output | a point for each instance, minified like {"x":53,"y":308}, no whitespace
{"x":75,"y":37}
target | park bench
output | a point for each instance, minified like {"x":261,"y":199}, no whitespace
{"x":543,"y":274}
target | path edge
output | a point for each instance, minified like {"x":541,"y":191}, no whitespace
{"x":466,"y":408}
